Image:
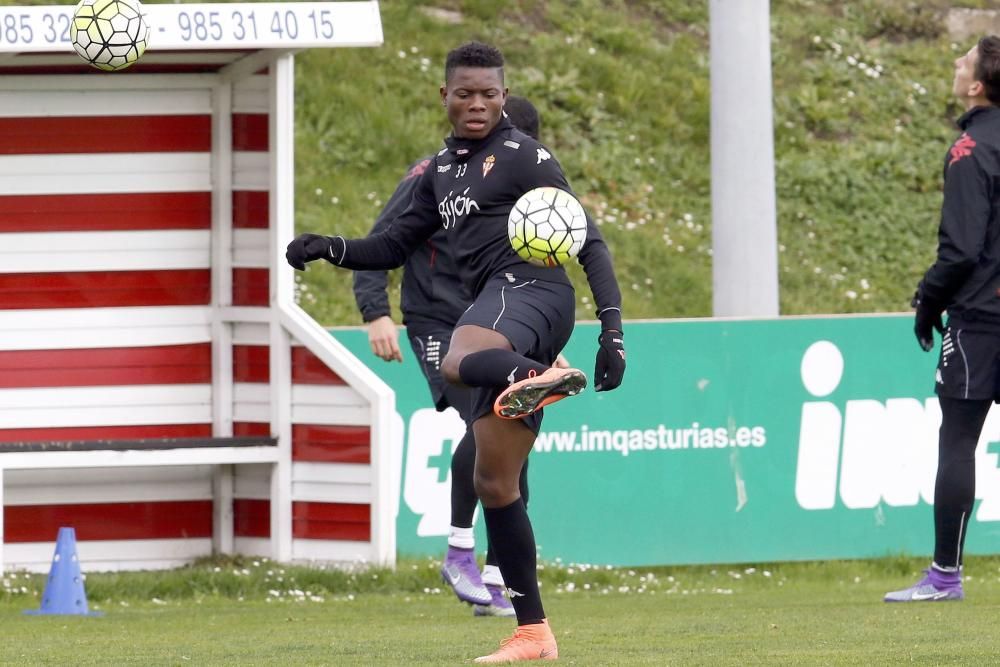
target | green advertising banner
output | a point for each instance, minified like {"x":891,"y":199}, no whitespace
{"x":729,"y":441}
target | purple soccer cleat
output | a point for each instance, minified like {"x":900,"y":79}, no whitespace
{"x":936,"y":586}
{"x":500,"y":606}
{"x":461,"y":572}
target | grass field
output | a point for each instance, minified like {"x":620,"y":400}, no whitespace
{"x":784,"y":614}
{"x":863,"y":116}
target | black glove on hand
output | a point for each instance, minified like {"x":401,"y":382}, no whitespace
{"x":928,"y":318}
{"x":610,"y":360}
{"x":310,"y":247}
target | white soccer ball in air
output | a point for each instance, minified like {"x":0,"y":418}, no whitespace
{"x":109,"y":34}
{"x":547,"y":226}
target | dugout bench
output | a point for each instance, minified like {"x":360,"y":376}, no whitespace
{"x":142,"y":453}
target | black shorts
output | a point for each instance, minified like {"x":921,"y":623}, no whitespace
{"x":430,"y":347}
{"x":969,"y":366}
{"x":535,"y":316}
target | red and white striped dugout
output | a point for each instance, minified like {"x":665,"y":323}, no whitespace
{"x":144,"y":295}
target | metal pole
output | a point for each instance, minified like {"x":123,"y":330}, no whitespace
{"x":744,"y":230}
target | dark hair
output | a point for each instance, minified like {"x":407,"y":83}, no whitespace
{"x":473,"y":54}
{"x":988,"y":67}
{"x":523,"y":115}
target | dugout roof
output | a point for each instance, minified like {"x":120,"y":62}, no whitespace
{"x":190,"y":38}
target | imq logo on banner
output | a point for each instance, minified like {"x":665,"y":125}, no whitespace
{"x":867,"y":453}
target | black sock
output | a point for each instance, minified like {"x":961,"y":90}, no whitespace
{"x":463,"y":492}
{"x":497,"y":368}
{"x":513,"y":541}
{"x":491,"y":558}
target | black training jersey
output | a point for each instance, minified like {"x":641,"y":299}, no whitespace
{"x":965,"y":277}
{"x":431,"y":292}
{"x":468,"y":190}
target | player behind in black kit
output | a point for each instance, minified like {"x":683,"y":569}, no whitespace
{"x":433,"y":299}
{"x":521,"y":317}
{"x":965,"y":281}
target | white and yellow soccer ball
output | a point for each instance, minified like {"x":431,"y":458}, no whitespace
{"x":547,"y":226}
{"x":109,"y":34}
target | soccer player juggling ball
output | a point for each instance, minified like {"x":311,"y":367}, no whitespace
{"x":521,"y":316}
{"x":432,"y":300}
{"x":965,"y":281}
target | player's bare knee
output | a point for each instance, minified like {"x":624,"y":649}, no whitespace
{"x":493,"y":491}
{"x":449,"y":367}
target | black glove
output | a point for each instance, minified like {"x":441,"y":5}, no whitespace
{"x":610,"y":360}
{"x":310,"y":247}
{"x":928,"y":318}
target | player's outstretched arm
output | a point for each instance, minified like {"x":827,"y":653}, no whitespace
{"x":378,"y":252}
{"x":306,"y":248}
{"x":373,"y":253}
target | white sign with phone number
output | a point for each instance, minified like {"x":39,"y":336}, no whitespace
{"x":209,"y":26}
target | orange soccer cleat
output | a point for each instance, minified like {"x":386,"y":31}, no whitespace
{"x":530,"y":642}
{"x":532,"y":394}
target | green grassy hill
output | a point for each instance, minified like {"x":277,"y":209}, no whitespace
{"x":863,"y":117}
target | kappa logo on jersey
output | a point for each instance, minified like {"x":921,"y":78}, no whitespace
{"x":543,"y":155}
{"x":454,"y":208}
{"x":488,"y":165}
{"x":418,"y":169}
{"x":962,"y":148}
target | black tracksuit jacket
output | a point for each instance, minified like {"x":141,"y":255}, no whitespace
{"x":432,"y":294}
{"x":468,"y":190}
{"x":965,"y":278}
